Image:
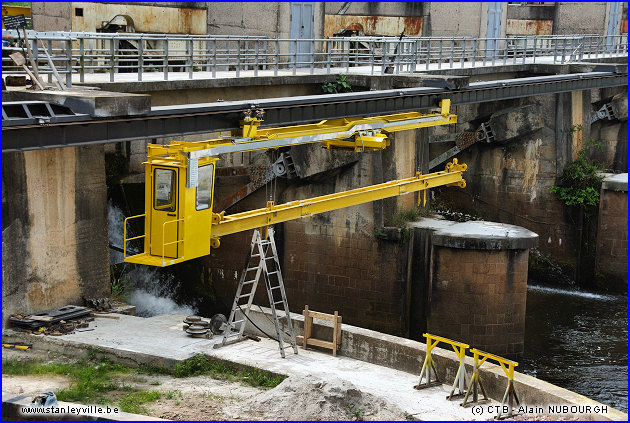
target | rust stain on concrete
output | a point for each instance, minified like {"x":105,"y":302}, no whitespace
{"x":526,"y":167}
{"x":150,"y":19}
{"x":372,"y":25}
{"x":529,"y":27}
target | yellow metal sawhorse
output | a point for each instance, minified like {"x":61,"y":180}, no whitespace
{"x":460,"y":378}
{"x":508,"y":368}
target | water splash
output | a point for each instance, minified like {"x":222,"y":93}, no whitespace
{"x":148,"y":304}
{"x":153,"y":292}
{"x":115,"y":222}
{"x":570,"y":292}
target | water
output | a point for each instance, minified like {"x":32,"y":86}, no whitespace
{"x":149,"y":304}
{"x":578,"y":341}
{"x":154,"y":291}
{"x":115,"y":222}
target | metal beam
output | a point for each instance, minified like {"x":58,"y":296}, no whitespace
{"x":174,"y":121}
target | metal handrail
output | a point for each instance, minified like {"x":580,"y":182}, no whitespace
{"x":164,"y":244}
{"x":137,"y":53}
{"x":125,"y":239}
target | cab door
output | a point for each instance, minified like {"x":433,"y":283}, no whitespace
{"x":165,"y":213}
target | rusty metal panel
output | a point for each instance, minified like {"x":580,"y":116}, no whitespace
{"x":624,"y":26}
{"x":373,"y":25}
{"x":152,"y":19}
{"x":529,"y":27}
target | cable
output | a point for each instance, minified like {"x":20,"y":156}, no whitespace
{"x":268,"y":318}
{"x":256,"y":326}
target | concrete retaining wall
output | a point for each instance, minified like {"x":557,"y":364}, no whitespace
{"x":54,"y":229}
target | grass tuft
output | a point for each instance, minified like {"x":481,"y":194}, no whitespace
{"x":98,"y":380}
{"x":133,"y":402}
{"x":203,"y":365}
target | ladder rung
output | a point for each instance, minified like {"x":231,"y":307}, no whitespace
{"x":249,"y":269}
{"x":272,"y":273}
{"x":265,"y":242}
{"x":238,"y":321}
{"x":248,"y":282}
{"x":278,"y":302}
{"x":255,"y":255}
{"x":275,"y":287}
{"x":249,"y":294}
{"x":269,"y":258}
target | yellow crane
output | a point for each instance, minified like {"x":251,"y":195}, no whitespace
{"x":179,"y":223}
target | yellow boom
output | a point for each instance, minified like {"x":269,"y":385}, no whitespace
{"x":225,"y":225}
{"x":179,"y":223}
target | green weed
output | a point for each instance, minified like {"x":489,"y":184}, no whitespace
{"x":203,"y":365}
{"x":357,"y":413}
{"x":579,"y":183}
{"x":133,"y":402}
{"x":338,"y":86}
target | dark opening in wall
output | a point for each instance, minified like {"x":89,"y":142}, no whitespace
{"x":78,"y":11}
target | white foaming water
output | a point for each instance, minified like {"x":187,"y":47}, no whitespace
{"x":569,"y":292}
{"x":115,"y":222}
{"x":148,"y":304}
{"x":153,"y":292}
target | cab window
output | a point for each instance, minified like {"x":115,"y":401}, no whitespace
{"x":204,"y":187}
{"x":164,"y":190}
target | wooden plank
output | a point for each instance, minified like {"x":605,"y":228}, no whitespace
{"x":40,"y":318}
{"x":334,"y":341}
{"x":323,"y":316}
{"x":105,"y":316}
{"x":306,"y":340}
{"x":314,"y":342}
{"x":319,"y":343}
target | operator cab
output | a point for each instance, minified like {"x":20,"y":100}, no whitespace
{"x":178,"y":207}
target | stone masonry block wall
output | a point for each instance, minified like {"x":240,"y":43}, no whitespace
{"x":510,"y":182}
{"x":478,"y":297}
{"x":51,"y":16}
{"x":362,"y":278}
{"x":612,"y":239}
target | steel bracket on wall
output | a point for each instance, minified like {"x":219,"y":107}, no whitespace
{"x":605,"y":112}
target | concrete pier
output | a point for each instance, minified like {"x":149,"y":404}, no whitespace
{"x":612,"y":233}
{"x":477,"y":282}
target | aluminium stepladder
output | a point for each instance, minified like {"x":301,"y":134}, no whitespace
{"x":266,"y":251}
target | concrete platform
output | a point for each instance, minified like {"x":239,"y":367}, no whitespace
{"x":161,"y":339}
{"x":481,"y":235}
{"x":96,"y":103}
{"x":615,"y":182}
